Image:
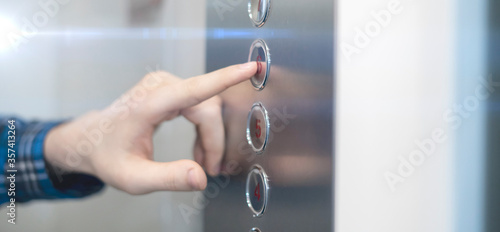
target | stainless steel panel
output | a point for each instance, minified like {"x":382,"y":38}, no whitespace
{"x":493,"y":122}
{"x":299,"y":97}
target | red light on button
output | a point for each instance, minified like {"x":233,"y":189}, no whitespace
{"x":258,"y":129}
{"x":259,"y":53}
{"x":259,"y":65}
{"x":257,"y":191}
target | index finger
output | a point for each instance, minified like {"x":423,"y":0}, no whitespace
{"x":195,"y":90}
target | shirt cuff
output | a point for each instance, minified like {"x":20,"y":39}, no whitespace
{"x":38,"y":179}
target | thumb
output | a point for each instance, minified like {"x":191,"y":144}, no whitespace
{"x":145,"y":176}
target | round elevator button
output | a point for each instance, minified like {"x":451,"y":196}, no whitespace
{"x":259,"y":10}
{"x":258,"y":128}
{"x":259,"y":52}
{"x":257,"y":190}
{"x":255,"y":229}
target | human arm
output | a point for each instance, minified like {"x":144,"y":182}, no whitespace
{"x":115,"y":144}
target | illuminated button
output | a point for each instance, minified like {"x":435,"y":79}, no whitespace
{"x":257,"y":190}
{"x":258,"y":10}
{"x":255,"y":230}
{"x":259,"y":52}
{"x":258,"y":128}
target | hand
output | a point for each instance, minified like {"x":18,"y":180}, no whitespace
{"x":115,"y":144}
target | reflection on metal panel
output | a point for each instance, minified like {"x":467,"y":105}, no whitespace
{"x":298,"y":97}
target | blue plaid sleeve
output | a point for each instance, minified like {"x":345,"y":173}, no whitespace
{"x":26,"y":175}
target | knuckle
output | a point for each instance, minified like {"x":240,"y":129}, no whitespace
{"x":158,"y":78}
{"x":170,"y":182}
{"x":192,"y":88}
{"x":156,"y":75}
{"x":217,"y":100}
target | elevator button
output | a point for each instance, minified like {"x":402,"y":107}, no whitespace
{"x":255,"y":230}
{"x":259,"y":10}
{"x":259,"y":52}
{"x":258,"y":128}
{"x":257,"y":190}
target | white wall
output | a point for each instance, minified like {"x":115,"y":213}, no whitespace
{"x":392,"y":93}
{"x":397,"y":89}
{"x":88,"y":54}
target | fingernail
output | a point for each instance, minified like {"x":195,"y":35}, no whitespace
{"x":193,"y":180}
{"x":247,"y":65}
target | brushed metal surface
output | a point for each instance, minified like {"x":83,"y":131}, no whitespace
{"x":493,"y":122}
{"x":299,"y":97}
